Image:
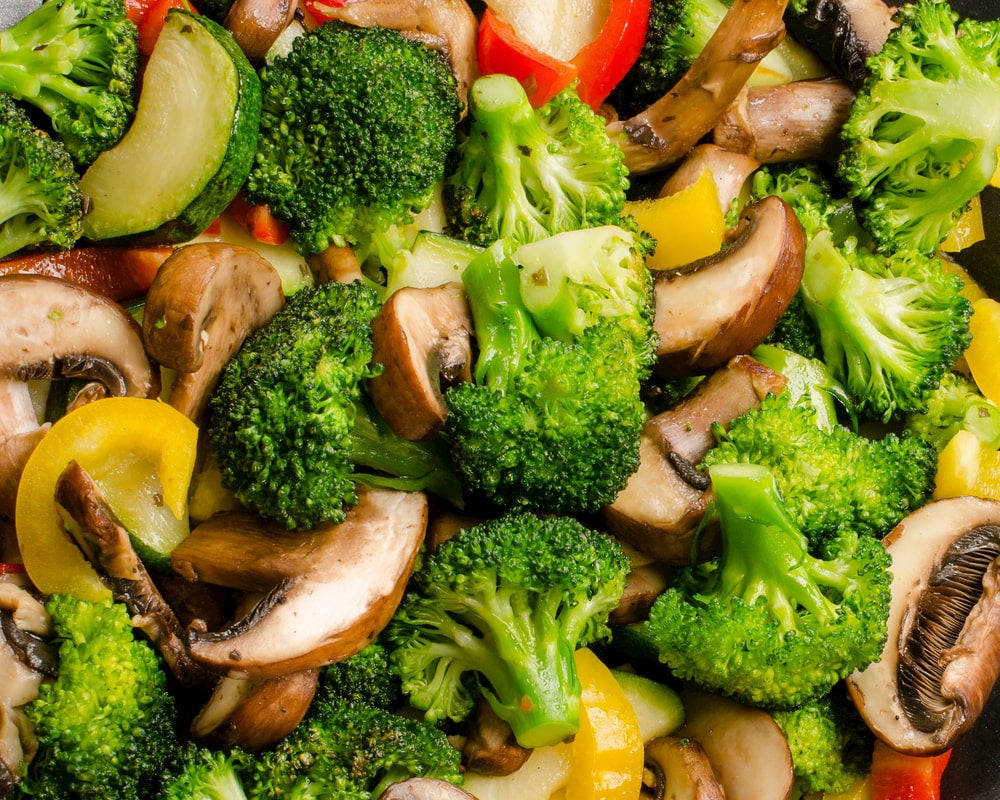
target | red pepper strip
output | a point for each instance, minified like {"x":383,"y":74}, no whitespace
{"x":605,"y":61}
{"x":318,"y":8}
{"x":8,"y":568}
{"x":152,"y":22}
{"x":500,"y":50}
{"x":258,"y":221}
{"x":896,"y":776}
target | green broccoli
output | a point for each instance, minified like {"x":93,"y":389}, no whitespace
{"x":499,"y":609}
{"x":205,"y":774}
{"x":831,"y":744}
{"x":831,"y":480}
{"x":767,"y":622}
{"x":350,"y":750}
{"x":551,"y":423}
{"x":105,"y":727}
{"x":39,"y":186}
{"x":77,"y":62}
{"x":795,"y":330}
{"x":366,"y":676}
{"x":292,"y":426}
{"x":922,"y":135}
{"x":956,"y":404}
{"x":523,"y":174}
{"x":356,"y":128}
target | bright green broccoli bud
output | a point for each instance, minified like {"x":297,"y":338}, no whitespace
{"x":105,"y":727}
{"x":76,"y":61}
{"x":766,"y":621}
{"x":356,"y":127}
{"x":205,"y":774}
{"x":956,"y":404}
{"x":499,"y":610}
{"x":292,"y":426}
{"x":808,"y":382}
{"x":350,"y":750}
{"x":366,"y":676}
{"x":40,"y":200}
{"x":922,"y":136}
{"x":523,"y":174}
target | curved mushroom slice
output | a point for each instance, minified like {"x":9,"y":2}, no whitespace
{"x":205,"y":300}
{"x":729,"y":171}
{"x":421,"y":337}
{"x":54,"y":329}
{"x":491,"y":747}
{"x":446,"y":25}
{"x":679,"y":768}
{"x":942,"y":656}
{"x":256,"y":24}
{"x":798,"y":121}
{"x":425,"y":789}
{"x":660,"y":507}
{"x":20,"y":431}
{"x":329,"y":590}
{"x":726,"y":304}
{"x":668,"y":129}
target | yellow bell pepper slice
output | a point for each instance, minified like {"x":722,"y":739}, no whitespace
{"x":967,"y":466}
{"x":967,"y":230}
{"x":983,"y":353}
{"x":141,"y":453}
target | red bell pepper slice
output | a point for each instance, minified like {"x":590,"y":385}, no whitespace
{"x":10,"y":568}
{"x":150,"y":21}
{"x":500,"y":50}
{"x":258,"y":221}
{"x":318,"y":8}
{"x":897,"y":776}
{"x":605,"y":61}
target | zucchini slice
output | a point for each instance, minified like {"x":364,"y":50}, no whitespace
{"x":190,"y":146}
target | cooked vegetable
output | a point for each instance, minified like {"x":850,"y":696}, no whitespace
{"x":201,"y":773}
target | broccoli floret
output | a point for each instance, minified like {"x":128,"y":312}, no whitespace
{"x":831,"y":480}
{"x":76,"y":61}
{"x":523,"y":174}
{"x":956,"y":404}
{"x":922,"y":135}
{"x":795,"y":330}
{"x":499,"y":609}
{"x":356,"y":128}
{"x":205,"y":774}
{"x":105,"y":727}
{"x":350,"y":750}
{"x":39,"y":186}
{"x":291,"y":423}
{"x":830,"y":743}
{"x":766,"y":622}
{"x":551,"y":424}
{"x":366,"y":676}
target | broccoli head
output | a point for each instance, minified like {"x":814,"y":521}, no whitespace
{"x":522,"y":174}
{"x":550,"y":423}
{"x":499,"y":609}
{"x":77,"y":62}
{"x":956,"y":404}
{"x":922,"y":135}
{"x":356,"y":128}
{"x":366,"y":676}
{"x":105,"y":727}
{"x":350,"y":750}
{"x":39,"y":186}
{"x":831,"y":478}
{"x":767,"y":622}
{"x":201,"y":773}
{"x":292,"y":426}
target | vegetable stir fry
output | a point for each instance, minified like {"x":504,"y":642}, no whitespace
{"x":482,"y":400}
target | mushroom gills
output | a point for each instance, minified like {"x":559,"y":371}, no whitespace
{"x":952,"y":595}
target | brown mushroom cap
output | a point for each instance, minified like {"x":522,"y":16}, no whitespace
{"x":678,"y":767}
{"x":425,"y":789}
{"x":256,"y":24}
{"x":324,"y":600}
{"x":942,"y":656}
{"x":205,"y":300}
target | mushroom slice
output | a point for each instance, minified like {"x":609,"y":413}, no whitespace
{"x":942,"y":655}
{"x":19,"y":433}
{"x":668,"y":129}
{"x":491,"y":747}
{"x":256,"y":24}
{"x":421,"y":337}
{"x":726,"y":304}
{"x":679,"y":769}
{"x":660,"y":507}
{"x":797,"y":121}
{"x":205,"y":300}
{"x":729,"y":171}
{"x":425,"y":789}
{"x":330,"y":590}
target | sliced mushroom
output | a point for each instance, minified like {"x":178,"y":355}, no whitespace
{"x":254,"y":713}
{"x":421,"y":337}
{"x":679,"y":769}
{"x":425,"y":789}
{"x":205,"y":300}
{"x":845,"y":33}
{"x":323,"y":600}
{"x":942,"y":656}
{"x":729,"y":171}
{"x":644,"y":584}
{"x":256,"y":24}
{"x":660,"y":507}
{"x":446,"y":25}
{"x":797,"y":121}
{"x":663,"y":133}
{"x":491,"y":747}
{"x":19,"y":433}
{"x":726,"y":304}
